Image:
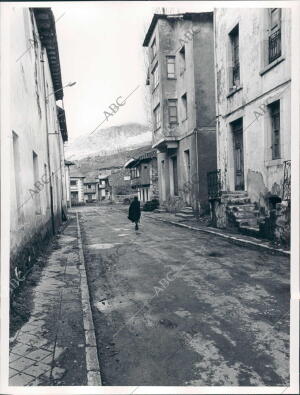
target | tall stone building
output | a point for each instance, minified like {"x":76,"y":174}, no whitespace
{"x":253,"y":79}
{"x":181,"y":80}
{"x":38,"y":132}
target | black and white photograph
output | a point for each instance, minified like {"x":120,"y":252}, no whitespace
{"x":150,"y":197}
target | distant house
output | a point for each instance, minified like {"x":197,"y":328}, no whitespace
{"x":120,"y":184}
{"x":68,"y":163}
{"x":144,"y":175}
{"x":90,"y":190}
{"x":76,"y":187}
{"x":104,"y":187}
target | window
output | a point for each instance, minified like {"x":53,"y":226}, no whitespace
{"x":275,"y":34}
{"x":184,"y":107}
{"x":89,"y":186}
{"x":155,"y":77}
{"x":235,"y":57}
{"x":275,"y":128}
{"x":73,"y":182}
{"x":37,"y":197}
{"x":171,"y":67}
{"x":134,"y":173}
{"x":182,"y":60}
{"x":172,"y":110}
{"x":153,"y":49}
{"x":156,"y":113}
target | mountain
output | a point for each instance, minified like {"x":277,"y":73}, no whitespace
{"x":109,"y":141}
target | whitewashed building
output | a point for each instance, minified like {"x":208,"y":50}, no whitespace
{"x":76,"y":187}
{"x":253,"y":81}
{"x":38,"y":132}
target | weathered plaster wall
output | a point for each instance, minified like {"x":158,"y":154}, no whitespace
{"x":262,"y":174}
{"x":30,"y":210}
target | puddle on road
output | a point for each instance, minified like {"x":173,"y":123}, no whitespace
{"x":183,"y":313}
{"x":106,"y":306}
{"x":123,"y":234}
{"x":102,"y":246}
{"x":67,"y":239}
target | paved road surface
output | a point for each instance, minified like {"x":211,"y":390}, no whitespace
{"x":177,"y":307}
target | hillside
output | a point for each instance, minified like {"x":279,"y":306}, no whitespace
{"x":90,"y":165}
{"x":109,"y":141}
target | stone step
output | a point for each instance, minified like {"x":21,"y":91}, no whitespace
{"x":234,"y":194}
{"x":246,"y":214}
{"x":186,"y":211}
{"x":183,"y":215}
{"x":160,"y":210}
{"x":247,"y":222}
{"x":241,"y":207}
{"x":250,"y":230}
{"x":238,"y":201}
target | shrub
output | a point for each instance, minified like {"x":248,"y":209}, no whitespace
{"x":151,"y":205}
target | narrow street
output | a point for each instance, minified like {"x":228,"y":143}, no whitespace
{"x":173,"y":306}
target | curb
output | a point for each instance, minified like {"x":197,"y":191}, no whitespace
{"x":91,"y":356}
{"x":235,"y":240}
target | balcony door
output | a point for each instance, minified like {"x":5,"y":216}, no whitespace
{"x":238,"y":153}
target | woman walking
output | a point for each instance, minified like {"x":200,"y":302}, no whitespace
{"x":135,"y":212}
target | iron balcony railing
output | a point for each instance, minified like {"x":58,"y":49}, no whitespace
{"x":274,"y":46}
{"x":214,"y":184}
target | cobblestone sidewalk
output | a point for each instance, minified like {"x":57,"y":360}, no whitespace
{"x":49,"y":349}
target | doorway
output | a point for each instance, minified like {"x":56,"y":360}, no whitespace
{"x":238,"y":154}
{"x":187,"y":161}
{"x":175,"y":175}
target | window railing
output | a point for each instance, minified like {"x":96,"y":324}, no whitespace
{"x":274,"y":46}
{"x":214,"y":184}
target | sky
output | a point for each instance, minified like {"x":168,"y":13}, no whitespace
{"x":100,"y":47}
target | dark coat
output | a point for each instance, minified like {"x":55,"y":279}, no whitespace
{"x":134,"y":211}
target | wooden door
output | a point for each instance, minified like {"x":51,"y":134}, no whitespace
{"x":175,"y":175}
{"x":238,"y":148}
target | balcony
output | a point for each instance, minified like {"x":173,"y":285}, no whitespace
{"x":166,"y":143}
{"x":140,"y":182}
{"x":89,"y":190}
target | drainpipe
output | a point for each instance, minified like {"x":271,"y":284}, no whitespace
{"x":198,"y":181}
{"x":61,"y":161}
{"x":48,"y":145}
{"x":216,"y":94}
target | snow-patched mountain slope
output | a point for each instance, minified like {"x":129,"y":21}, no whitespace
{"x":110,"y":141}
